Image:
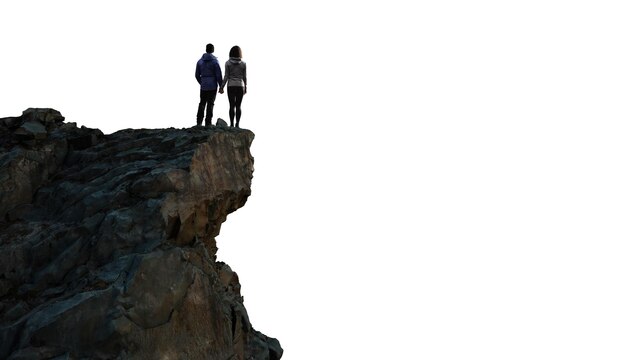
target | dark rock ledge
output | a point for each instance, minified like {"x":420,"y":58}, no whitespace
{"x":107,"y":242}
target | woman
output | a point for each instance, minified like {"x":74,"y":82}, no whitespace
{"x":235,"y":77}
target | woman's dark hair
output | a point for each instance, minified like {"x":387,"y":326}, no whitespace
{"x":210,"y":48}
{"x":235,"y":51}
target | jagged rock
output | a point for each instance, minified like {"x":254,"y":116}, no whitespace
{"x":44,"y":116}
{"x":32,"y":129}
{"x":107,"y":243}
{"x":11,"y":122}
{"x":221,"y":123}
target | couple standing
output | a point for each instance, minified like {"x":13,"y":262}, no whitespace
{"x":209,"y":76}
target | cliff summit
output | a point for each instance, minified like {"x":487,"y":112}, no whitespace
{"x":107,"y":242}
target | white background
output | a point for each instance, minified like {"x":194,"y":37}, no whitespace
{"x":434,"y":179}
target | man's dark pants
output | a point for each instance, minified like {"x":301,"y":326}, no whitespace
{"x":207,"y":99}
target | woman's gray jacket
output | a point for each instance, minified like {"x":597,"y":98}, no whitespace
{"x":235,"y":73}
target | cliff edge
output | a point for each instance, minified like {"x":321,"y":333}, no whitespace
{"x":107,"y":242}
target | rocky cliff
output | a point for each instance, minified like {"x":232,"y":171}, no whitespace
{"x":107,"y":242}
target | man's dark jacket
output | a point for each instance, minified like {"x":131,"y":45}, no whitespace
{"x":208,"y":72}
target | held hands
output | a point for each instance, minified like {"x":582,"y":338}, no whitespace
{"x":221,"y":90}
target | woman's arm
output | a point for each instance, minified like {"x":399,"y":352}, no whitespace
{"x":226,"y":75}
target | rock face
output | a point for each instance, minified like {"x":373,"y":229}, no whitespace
{"x":107,"y":242}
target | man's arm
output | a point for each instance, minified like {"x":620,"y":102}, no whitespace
{"x":198,"y":72}
{"x":218,"y":74}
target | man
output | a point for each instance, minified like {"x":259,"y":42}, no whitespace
{"x":209,"y":76}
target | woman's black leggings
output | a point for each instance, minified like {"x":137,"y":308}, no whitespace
{"x":235,"y":95}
